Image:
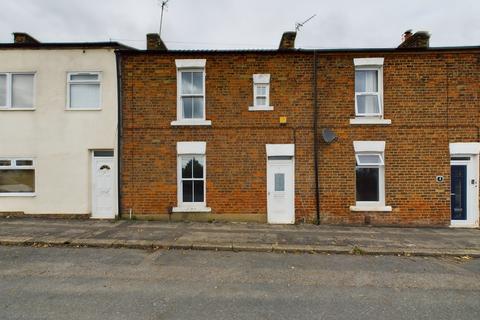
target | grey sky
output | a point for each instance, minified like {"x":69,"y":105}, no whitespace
{"x":244,"y":23}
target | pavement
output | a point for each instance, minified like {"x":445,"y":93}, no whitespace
{"x":241,"y":237}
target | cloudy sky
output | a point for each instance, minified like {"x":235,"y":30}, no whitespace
{"x":244,"y":23}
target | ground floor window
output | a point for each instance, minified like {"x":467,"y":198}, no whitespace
{"x":17,"y":176}
{"x":369,"y":172}
{"x":193,"y":179}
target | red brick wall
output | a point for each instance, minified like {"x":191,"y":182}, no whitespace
{"x":431,"y":98}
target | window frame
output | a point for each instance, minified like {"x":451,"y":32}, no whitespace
{"x":180,"y":179}
{"x":378,"y":94}
{"x":180,"y":95}
{"x":9,"y":92}
{"x":261,"y":80}
{"x":13,"y":166}
{"x":381,"y":179}
{"x":70,"y":82}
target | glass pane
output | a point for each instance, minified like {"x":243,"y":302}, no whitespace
{"x":261,"y":90}
{"x":198,"y":167}
{"x":22,"y":90}
{"x":187,"y":107}
{"x":458,"y":192}
{"x":84,"y":77}
{"x":198,"y":191}
{"x":367,"y":184}
{"x":368,"y":104}
{"x":198,"y":108}
{"x":369,"y":159}
{"x":84,"y":95}
{"x":186,"y":82}
{"x":3,"y":90}
{"x":24,"y":162}
{"x":279,"y":182}
{"x":4,"y":163}
{"x":366,"y":81}
{"x":187,"y":167}
{"x":17,"y":181}
{"x":103,"y":153}
{"x":187,"y":187}
{"x":261,"y":101}
{"x":197,"y":85}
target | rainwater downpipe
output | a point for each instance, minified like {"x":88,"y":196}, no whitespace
{"x":315,"y":140}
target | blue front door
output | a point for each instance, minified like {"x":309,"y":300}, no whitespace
{"x":459,"y":192}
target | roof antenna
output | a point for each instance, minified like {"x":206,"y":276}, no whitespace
{"x":164,"y":4}
{"x":298,"y":25}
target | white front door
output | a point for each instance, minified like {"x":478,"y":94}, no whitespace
{"x":280,"y":190}
{"x":103,"y":189}
{"x":464,"y":191}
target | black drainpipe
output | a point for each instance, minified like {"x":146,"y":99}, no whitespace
{"x":118,"y":59}
{"x":315,"y":131}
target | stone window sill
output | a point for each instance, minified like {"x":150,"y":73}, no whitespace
{"x":191,"y":123}
{"x":191,"y":209}
{"x":379,"y":121}
{"x":371,"y":208}
{"x":262,"y":108}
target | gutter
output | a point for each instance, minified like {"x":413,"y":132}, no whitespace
{"x":315,"y":140}
{"x":118,"y":60}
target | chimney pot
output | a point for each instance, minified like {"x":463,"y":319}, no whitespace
{"x":154,"y":42}
{"x":288,"y":40}
{"x":420,"y":39}
{"x":24,"y":38}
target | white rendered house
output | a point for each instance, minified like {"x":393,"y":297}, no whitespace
{"x":58,"y":128}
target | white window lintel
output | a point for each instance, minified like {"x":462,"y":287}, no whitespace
{"x":190,"y":63}
{"x":369,"y":146}
{"x":465,"y":148}
{"x":261,"y":78}
{"x":280,"y":150}
{"x":196,"y":147}
{"x":368,"y":62}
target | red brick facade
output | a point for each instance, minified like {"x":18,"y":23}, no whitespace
{"x":430,"y":96}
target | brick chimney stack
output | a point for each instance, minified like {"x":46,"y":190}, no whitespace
{"x":24,"y":38}
{"x":288,"y":40}
{"x":420,"y":39}
{"x":154,"y":42}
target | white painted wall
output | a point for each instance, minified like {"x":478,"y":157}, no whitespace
{"x":59,"y":140}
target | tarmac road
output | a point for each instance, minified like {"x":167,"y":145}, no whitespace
{"x":93,"y":283}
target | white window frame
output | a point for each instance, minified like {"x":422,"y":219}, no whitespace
{"x":372,"y":64}
{"x":261,"y":80}
{"x":191,"y":149}
{"x":190,"y":65}
{"x":9,"y":93}
{"x":371,"y":148}
{"x":13,"y":166}
{"x":70,"y":82}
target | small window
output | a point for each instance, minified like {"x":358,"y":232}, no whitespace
{"x":369,"y":172}
{"x":261,"y":92}
{"x":279,"y":182}
{"x":17,"y":90}
{"x":369,"y":87}
{"x":192,"y":179}
{"x":17,"y":177}
{"x":84,"y":90}
{"x":191,"y":92}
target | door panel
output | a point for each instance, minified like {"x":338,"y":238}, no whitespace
{"x":103,"y":202}
{"x":280,"y":191}
{"x":459,"y":192}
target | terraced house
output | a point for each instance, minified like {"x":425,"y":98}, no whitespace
{"x":342,"y":136}
{"x":58,"y":128}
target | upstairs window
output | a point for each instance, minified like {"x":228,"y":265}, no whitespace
{"x":84,"y":90}
{"x":16,"y":90}
{"x":369,"y":87}
{"x":17,"y":177}
{"x":261,"y":93}
{"x":191,"y":92}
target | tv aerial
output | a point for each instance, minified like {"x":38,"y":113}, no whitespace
{"x":298,"y":25}
{"x":163,"y":5}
